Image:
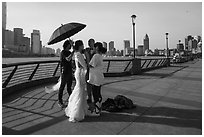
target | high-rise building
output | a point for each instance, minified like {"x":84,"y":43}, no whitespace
{"x":111,"y":46}
{"x":122,"y":52}
{"x":4,"y":16}
{"x":9,"y":39}
{"x":36,"y":45}
{"x":189,"y":37}
{"x":18,"y":35}
{"x":140,"y":51}
{"x":180,"y":47}
{"x":126,"y":44}
{"x":126,"y":47}
{"x":194,"y":43}
{"x":16,"y":41}
{"x":26,"y":44}
{"x":105,"y":45}
{"x":190,"y":45}
{"x":146,"y":43}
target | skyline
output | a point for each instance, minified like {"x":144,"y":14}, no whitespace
{"x":110,"y":21}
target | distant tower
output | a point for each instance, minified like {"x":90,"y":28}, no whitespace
{"x":126,"y":47}
{"x":180,"y":46}
{"x":105,"y":45}
{"x":111,"y":46}
{"x":140,"y":50}
{"x":146,"y":43}
{"x":9,"y":39}
{"x":4,"y":16}
{"x":194,"y":43}
{"x":35,"y":42}
{"x":18,"y":38}
{"x":18,"y":35}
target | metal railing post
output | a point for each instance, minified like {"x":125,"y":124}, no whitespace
{"x":127,"y":66}
{"x":31,"y":76}
{"x":108,"y":66}
{"x":9,"y":77}
{"x":143,"y":64}
{"x":148,"y":64}
{"x":56,"y":69}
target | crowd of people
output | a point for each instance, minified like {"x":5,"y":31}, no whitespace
{"x":85,"y":99}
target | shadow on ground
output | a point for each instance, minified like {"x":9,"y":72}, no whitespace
{"x":141,"y":114}
{"x":154,"y":115}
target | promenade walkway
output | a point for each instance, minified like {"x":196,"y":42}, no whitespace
{"x":168,"y":100}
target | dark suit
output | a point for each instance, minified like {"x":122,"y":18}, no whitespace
{"x":66,"y":78}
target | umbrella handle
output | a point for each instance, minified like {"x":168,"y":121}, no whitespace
{"x":70,"y":42}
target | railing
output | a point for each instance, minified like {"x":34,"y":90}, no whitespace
{"x":117,"y":67}
{"x":22,"y":75}
{"x":152,"y":63}
{"x":25,"y":74}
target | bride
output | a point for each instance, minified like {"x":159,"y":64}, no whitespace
{"x":77,"y":106}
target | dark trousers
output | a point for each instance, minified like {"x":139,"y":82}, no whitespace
{"x":89,"y":88}
{"x":96,"y":91}
{"x":66,"y":79}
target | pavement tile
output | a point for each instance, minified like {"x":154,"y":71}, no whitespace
{"x":148,"y":127}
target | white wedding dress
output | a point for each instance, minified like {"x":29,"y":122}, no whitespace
{"x":77,"y":106}
{"x":54,"y":87}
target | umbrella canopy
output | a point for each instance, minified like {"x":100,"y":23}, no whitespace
{"x":65,"y":31}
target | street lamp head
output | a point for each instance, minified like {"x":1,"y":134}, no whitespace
{"x":133,"y":18}
{"x":167,"y":34}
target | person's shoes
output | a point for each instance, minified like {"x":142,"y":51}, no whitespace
{"x":72,"y":120}
{"x":98,"y":107}
{"x":93,"y":113}
{"x":62,"y":105}
{"x":91,"y":106}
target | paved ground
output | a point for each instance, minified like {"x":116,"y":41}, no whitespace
{"x":169,"y":102}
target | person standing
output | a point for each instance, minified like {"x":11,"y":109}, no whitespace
{"x":96,"y":76}
{"x":77,"y":107}
{"x":89,"y":52}
{"x":66,"y":71}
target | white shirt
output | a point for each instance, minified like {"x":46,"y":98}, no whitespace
{"x":96,"y":76}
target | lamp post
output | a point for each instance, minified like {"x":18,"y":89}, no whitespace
{"x":133,"y":23}
{"x":167,"y":49}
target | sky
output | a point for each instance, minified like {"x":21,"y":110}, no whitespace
{"x":110,"y":21}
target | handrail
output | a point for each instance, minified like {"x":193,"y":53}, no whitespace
{"x":23,"y":72}
{"x":33,"y":70}
{"x":28,"y":63}
{"x":117,"y":59}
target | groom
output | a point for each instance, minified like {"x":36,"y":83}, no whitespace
{"x":66,"y":71}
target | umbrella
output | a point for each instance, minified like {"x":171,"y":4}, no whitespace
{"x":65,"y":31}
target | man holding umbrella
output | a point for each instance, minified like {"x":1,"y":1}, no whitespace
{"x":66,"y":71}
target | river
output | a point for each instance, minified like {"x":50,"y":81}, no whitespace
{"x":28,"y":59}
